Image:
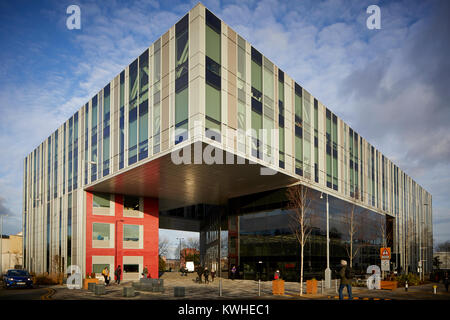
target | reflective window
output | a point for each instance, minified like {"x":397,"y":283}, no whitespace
{"x":101,"y":200}
{"x":101,"y":231}
{"x":132,"y":113}
{"x":106,"y":129}
{"x":130,"y":232}
{"x":181,"y":79}
{"x":131,"y":203}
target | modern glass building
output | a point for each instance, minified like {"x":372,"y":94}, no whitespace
{"x":97,"y":190}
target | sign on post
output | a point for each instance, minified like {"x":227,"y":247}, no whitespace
{"x":385,"y":265}
{"x":385,"y":253}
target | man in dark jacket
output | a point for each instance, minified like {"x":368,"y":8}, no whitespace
{"x":118,"y":273}
{"x":346,"y":280}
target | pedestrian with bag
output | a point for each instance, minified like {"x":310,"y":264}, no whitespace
{"x":346,"y":275}
{"x":105,"y":274}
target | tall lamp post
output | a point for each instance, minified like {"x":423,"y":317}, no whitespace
{"x":179,"y":254}
{"x":423,"y":237}
{"x":327,"y":270}
{"x":84,"y":177}
{"x":1,"y":242}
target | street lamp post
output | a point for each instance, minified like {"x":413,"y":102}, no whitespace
{"x":423,"y":240}
{"x":327,"y":270}
{"x":84,"y":176}
{"x":179,"y":254}
{"x":220,"y":254}
{"x":1,"y":242}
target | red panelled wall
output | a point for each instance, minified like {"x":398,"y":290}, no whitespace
{"x":150,"y":241}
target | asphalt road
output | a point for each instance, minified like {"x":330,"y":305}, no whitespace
{"x":24,"y":293}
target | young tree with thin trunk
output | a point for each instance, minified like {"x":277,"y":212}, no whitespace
{"x":299,"y":203}
{"x":383,"y":233}
{"x":355,"y":227}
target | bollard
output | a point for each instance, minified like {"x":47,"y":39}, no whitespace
{"x":406,"y":286}
{"x":259,"y":287}
{"x":434,"y":289}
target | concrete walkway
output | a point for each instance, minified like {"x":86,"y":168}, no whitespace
{"x":246,"y":289}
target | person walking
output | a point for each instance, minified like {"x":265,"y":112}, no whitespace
{"x":145,"y":272}
{"x":346,"y":280}
{"x":206,"y":273}
{"x":199,"y":273}
{"x":213,"y":274}
{"x":233,"y":272}
{"x":277,"y":275}
{"x":446,"y":281}
{"x":118,"y":273}
{"x":105,"y":274}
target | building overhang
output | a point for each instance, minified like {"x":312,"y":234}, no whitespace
{"x":179,"y":185}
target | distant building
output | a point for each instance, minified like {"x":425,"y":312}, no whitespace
{"x":187,"y":252}
{"x":11,"y":251}
{"x":171,"y":264}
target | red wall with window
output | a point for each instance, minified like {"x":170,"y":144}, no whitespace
{"x":150,"y":221}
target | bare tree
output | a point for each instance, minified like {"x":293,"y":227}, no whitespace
{"x":355,"y":227}
{"x":193,"y":243}
{"x":300,"y":224}
{"x":382,"y":232}
{"x":163,"y":246}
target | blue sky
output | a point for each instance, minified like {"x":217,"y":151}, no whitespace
{"x":390,"y":85}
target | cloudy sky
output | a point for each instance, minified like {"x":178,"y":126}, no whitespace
{"x":391,"y":85}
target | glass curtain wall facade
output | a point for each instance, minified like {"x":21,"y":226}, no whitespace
{"x":201,"y":69}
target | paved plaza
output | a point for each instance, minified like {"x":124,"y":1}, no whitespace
{"x":241,"y":290}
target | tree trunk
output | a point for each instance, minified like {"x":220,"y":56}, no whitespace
{"x":301,"y":271}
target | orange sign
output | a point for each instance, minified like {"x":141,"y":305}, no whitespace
{"x":385,"y":253}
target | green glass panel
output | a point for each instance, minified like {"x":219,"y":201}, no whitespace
{"x":213,"y":44}
{"x":213,"y":105}
{"x":156,"y":119}
{"x":256,"y":121}
{"x":281,"y":139}
{"x":143,"y":127}
{"x":241,"y":115}
{"x":241,"y":63}
{"x":268,"y":83}
{"x":298,"y":106}
{"x":181,"y":106}
{"x":256,"y":76}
